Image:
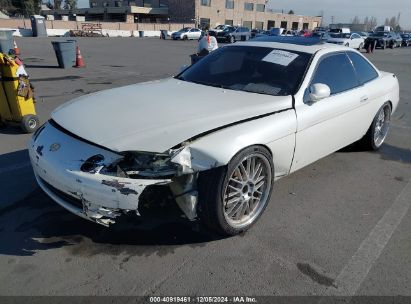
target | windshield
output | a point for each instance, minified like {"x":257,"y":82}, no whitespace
{"x":220,"y":27}
{"x":229,"y":29}
{"x":405,"y":36}
{"x":251,"y":69}
{"x":184,"y":29}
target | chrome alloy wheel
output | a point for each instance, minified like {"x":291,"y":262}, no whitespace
{"x":382,"y":125}
{"x":247,"y":191}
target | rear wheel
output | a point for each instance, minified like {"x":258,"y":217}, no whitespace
{"x":232,"y":198}
{"x":378,"y":130}
{"x":361,"y":46}
{"x":30,"y":123}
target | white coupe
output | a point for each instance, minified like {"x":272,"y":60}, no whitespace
{"x":352,"y":40}
{"x":218,"y":135}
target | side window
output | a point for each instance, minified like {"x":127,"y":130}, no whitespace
{"x":337,"y":72}
{"x":365,"y":71}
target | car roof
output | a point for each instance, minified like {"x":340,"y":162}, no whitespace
{"x":299,"y":44}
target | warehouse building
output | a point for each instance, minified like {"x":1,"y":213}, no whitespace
{"x":202,"y":13}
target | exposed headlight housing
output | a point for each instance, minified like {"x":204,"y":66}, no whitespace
{"x":144,"y":165}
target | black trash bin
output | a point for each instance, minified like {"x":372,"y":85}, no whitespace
{"x":38,"y":25}
{"x":141,"y":34}
{"x":6,"y":41}
{"x":64,"y":52}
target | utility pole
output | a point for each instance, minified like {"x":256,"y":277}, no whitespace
{"x":332,"y":19}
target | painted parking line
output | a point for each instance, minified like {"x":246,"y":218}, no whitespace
{"x":14,"y":167}
{"x":354,"y":273}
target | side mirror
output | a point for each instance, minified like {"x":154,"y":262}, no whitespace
{"x":319,"y":91}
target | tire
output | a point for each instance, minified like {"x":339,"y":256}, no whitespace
{"x":361,"y":46}
{"x":370,"y":141}
{"x":384,"y":45}
{"x":215,"y":186}
{"x":232,"y":39}
{"x":392,"y":45}
{"x":185,"y":38}
{"x":30,"y":123}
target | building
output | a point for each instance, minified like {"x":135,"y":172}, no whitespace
{"x":202,"y":13}
{"x":248,"y":13}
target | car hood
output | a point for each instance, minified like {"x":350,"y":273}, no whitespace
{"x":159,"y":115}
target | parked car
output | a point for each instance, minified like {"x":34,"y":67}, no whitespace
{"x":406,"y":39}
{"x":256,"y":32}
{"x":342,"y":30}
{"x":305,"y":33}
{"x":382,"y":39}
{"x":277,"y":31}
{"x":364,"y":35}
{"x":217,"y":29}
{"x":353,"y":40}
{"x":232,"y":34}
{"x":321,"y":35}
{"x":217,"y":136}
{"x":187,"y":33}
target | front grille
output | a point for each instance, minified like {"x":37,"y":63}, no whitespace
{"x":64,"y":196}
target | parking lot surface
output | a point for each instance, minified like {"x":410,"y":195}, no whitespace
{"x":340,"y":226}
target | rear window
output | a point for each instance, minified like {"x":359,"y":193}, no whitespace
{"x":365,"y":71}
{"x":251,"y":69}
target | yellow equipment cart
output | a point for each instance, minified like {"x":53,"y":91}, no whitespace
{"x":16,"y":100}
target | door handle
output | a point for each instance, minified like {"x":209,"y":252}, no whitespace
{"x":364,"y":99}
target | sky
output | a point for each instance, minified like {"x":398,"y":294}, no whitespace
{"x":343,"y":11}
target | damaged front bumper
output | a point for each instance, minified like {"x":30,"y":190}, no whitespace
{"x":58,"y":161}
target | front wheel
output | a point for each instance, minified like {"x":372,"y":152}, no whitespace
{"x":185,"y":38}
{"x":379,"y":128}
{"x":361,"y":47}
{"x":232,"y":198}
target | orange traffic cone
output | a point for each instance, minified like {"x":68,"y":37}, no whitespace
{"x":79,"y":59}
{"x":16,"y":49}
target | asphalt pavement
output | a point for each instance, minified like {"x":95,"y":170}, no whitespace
{"x":340,"y":226}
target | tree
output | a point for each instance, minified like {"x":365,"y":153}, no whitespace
{"x":355,"y":20}
{"x":291,"y":12}
{"x":70,"y":4}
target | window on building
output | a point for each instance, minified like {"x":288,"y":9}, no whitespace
{"x":229,"y":4}
{"x":248,"y":24}
{"x":229,"y":22}
{"x":294,"y":26}
{"x":259,"y":25}
{"x":284,"y":24}
{"x":93,"y":4}
{"x":260,"y":8}
{"x":305,"y":26}
{"x":248,"y":6}
{"x":105,"y":4}
{"x":206,"y":2}
{"x":118,"y":3}
{"x":270,"y":24}
{"x":205,"y":23}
